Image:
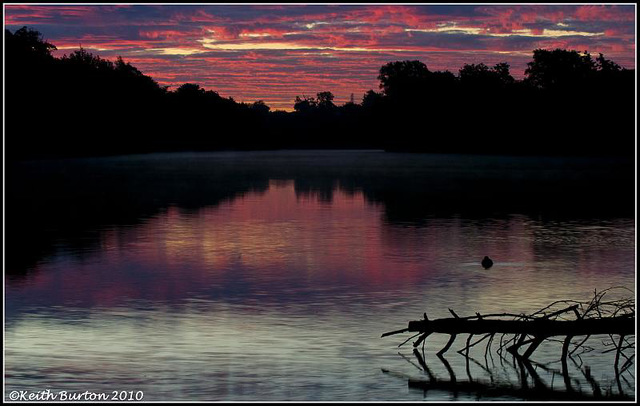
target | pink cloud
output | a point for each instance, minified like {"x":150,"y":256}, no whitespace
{"x":603,"y":13}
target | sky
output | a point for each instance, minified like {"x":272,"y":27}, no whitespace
{"x":277,"y":52}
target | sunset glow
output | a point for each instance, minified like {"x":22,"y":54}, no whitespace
{"x":276,"y":52}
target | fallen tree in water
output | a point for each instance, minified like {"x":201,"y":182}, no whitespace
{"x":596,"y":317}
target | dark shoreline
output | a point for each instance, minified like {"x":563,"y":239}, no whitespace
{"x":621,"y":157}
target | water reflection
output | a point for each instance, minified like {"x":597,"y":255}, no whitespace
{"x":55,"y":203}
{"x":282,"y":246}
{"x":271,"y":276}
{"x":496,"y":381}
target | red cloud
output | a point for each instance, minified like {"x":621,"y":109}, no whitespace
{"x":225,"y":32}
{"x":604,"y":13}
{"x":171,"y":34}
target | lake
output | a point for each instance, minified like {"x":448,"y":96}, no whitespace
{"x":261,"y":276}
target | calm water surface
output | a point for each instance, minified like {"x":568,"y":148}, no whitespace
{"x":271,"y":275}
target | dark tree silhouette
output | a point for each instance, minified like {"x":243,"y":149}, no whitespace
{"x":403,"y":78}
{"x":480,"y":76}
{"x":260,"y":107}
{"x":188,"y":90}
{"x":502,"y":71}
{"x":372,"y":100}
{"x":27,"y":45}
{"x":606,"y":65}
{"x":325,"y":100}
{"x":304,"y":104}
{"x":559,"y":69}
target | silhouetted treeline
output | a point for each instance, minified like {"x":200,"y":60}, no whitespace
{"x":81,"y":104}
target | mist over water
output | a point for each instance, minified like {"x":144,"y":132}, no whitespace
{"x":272,"y":275}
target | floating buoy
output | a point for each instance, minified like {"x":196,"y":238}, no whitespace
{"x":486,"y":262}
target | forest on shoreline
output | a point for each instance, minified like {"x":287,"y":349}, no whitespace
{"x":568,"y":103}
